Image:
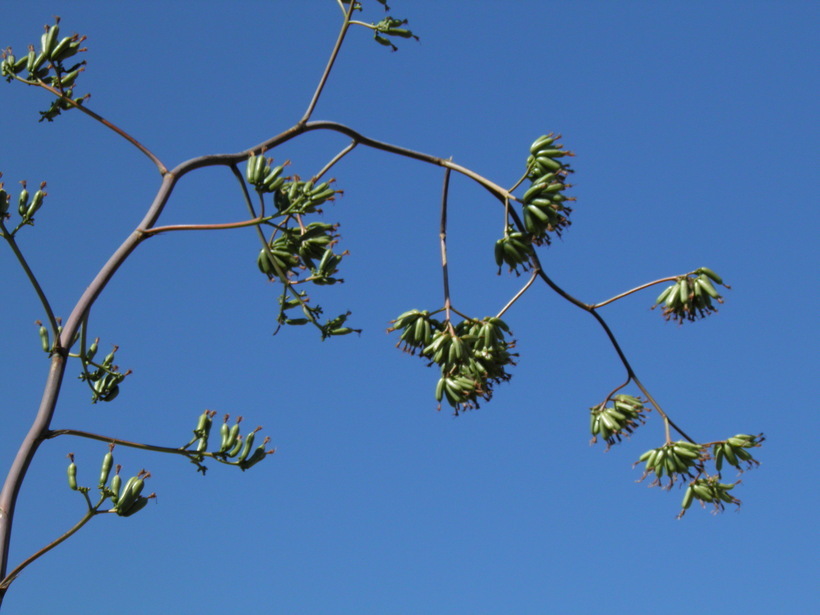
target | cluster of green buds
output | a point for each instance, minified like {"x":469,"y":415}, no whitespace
{"x":734,"y":451}
{"x":388,"y":27}
{"x":50,"y":60}
{"x":296,"y":250}
{"x":262,"y":176}
{"x":514,"y":249}
{"x":27,"y":204}
{"x":708,"y":490}
{"x":27,"y":208}
{"x":297,"y":197}
{"x":296,"y":253}
{"x":683,"y":461}
{"x":691,"y":296}
{"x":233,"y":449}
{"x":292,"y":196}
{"x":673,"y":460}
{"x":472,"y":356}
{"x":545,"y":204}
{"x":126,"y":500}
{"x":333,"y":327}
{"x":105,"y":380}
{"x":617,"y":421}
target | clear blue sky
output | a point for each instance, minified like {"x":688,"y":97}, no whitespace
{"x":695,"y":131}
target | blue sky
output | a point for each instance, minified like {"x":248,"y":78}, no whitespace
{"x":695,"y":132}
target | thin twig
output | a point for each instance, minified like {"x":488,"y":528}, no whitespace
{"x":634,"y":290}
{"x":442,"y":233}
{"x":334,"y":160}
{"x":160,"y":166}
{"x":92,"y":512}
{"x":339,"y":40}
{"x":83,"y":338}
{"x":207,"y":227}
{"x":245,"y":192}
{"x":616,"y":389}
{"x":506,"y":216}
{"x":519,"y":293}
{"x":265,"y":243}
{"x":108,"y":439}
{"x":518,"y":183}
{"x":667,"y":421}
{"x":52,"y":321}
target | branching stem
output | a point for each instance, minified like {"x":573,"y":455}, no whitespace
{"x":612,"y":340}
{"x":40,"y":428}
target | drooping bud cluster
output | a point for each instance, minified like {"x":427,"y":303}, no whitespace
{"x":734,"y":451}
{"x":708,"y":490}
{"x":545,"y":208}
{"x":673,"y":460}
{"x":683,"y":460}
{"x":295,"y":251}
{"x":691,"y":296}
{"x":545,"y":204}
{"x":473,"y":355}
{"x":617,"y":421}
{"x":514,"y":250}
